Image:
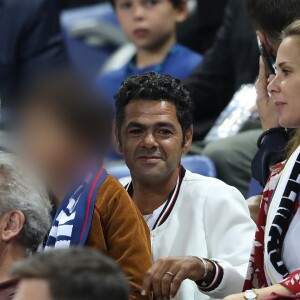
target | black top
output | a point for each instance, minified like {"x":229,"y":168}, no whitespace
{"x":232,"y":61}
{"x":272,"y":150}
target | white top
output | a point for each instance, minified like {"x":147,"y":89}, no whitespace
{"x":152,"y":218}
{"x":210,"y":220}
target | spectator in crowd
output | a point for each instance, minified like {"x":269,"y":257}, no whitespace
{"x":31,"y":42}
{"x":70,"y":274}
{"x":24,"y":219}
{"x":64,"y":129}
{"x":273,"y":141}
{"x":151,"y":27}
{"x":275,"y":262}
{"x":270,"y":18}
{"x":213,"y":85}
{"x":230,"y":63}
{"x":195,"y":221}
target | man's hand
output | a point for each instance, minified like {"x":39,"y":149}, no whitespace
{"x":166,"y":275}
{"x":265,"y":105}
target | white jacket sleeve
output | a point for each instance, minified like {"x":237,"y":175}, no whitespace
{"x":229,"y":234}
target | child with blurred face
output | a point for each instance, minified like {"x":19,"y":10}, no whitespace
{"x":150,"y":25}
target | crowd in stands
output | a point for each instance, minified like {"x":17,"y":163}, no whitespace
{"x":70,"y":230}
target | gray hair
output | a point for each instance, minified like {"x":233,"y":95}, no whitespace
{"x":20,"y":191}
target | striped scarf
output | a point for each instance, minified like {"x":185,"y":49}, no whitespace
{"x":73,"y":219}
{"x":266,"y":266}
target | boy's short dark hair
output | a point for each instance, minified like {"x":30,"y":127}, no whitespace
{"x":176,"y":3}
{"x":272,"y":16}
{"x":155,"y":87}
{"x":76,"y":274}
{"x":83,"y":112}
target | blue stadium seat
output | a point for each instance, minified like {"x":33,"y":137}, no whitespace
{"x":91,"y":35}
{"x":255,"y":188}
{"x":194,"y":163}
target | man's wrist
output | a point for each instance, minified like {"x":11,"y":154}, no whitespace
{"x":208,"y":274}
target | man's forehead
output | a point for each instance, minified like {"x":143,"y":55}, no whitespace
{"x":150,"y":112}
{"x":150,"y":107}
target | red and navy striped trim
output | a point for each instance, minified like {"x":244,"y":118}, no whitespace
{"x":89,"y":201}
{"x":171,"y":200}
{"x":214,"y":284}
{"x":170,"y":203}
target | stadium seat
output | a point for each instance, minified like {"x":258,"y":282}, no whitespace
{"x":255,"y":188}
{"x":91,"y":35}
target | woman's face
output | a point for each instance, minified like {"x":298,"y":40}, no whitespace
{"x":285,"y":87}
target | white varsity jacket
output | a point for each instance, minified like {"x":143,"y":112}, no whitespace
{"x":209,"y":219}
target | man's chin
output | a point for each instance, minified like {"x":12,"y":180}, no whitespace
{"x":149,"y":173}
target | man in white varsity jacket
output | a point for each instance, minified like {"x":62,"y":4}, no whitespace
{"x":201,"y":230}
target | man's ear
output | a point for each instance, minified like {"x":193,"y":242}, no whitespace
{"x":182,"y":11}
{"x":12,"y":224}
{"x":265,"y":41}
{"x":188,"y":139}
{"x":117,"y":140}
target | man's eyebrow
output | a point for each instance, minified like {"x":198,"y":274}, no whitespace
{"x":158,"y":124}
{"x":135,"y":124}
{"x":165,"y":124}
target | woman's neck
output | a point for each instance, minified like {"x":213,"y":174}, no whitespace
{"x":154,"y":56}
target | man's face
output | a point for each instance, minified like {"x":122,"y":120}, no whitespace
{"x":33,"y":289}
{"x":152,"y":140}
{"x":149,"y":23}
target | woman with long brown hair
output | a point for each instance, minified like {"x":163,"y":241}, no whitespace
{"x":275,"y":261}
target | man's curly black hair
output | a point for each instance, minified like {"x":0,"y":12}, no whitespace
{"x":155,"y":87}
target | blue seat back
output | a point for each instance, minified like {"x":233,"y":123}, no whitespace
{"x":254,"y":188}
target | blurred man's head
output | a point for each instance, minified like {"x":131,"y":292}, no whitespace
{"x":65,"y":126}
{"x":70,"y":274}
{"x":153,"y":125}
{"x":270,"y":17}
{"x":24,"y":211}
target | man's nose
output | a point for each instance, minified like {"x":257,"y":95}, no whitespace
{"x":149,"y":141}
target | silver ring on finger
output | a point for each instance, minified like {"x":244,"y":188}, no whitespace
{"x":170,"y":274}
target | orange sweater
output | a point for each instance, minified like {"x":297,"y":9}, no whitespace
{"x":119,"y":230}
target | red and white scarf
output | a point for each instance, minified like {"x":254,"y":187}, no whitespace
{"x":279,"y":201}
